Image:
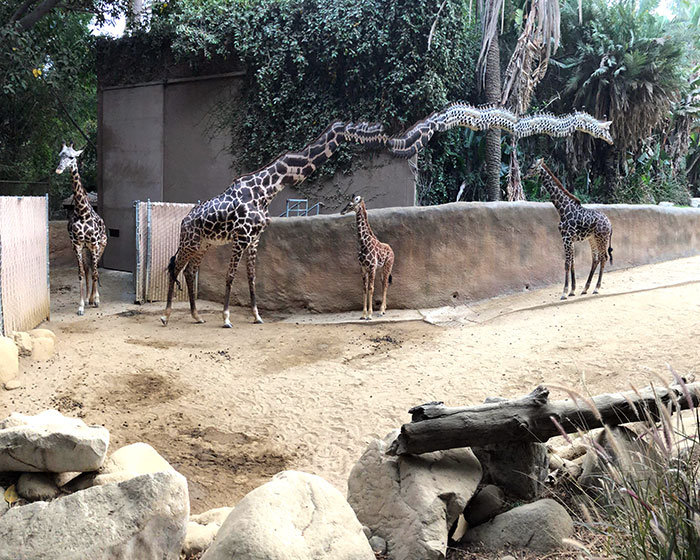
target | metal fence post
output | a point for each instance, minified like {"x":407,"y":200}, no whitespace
{"x":148,"y":249}
{"x":137,"y":269}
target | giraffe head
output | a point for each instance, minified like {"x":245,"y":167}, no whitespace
{"x":535,"y":169}
{"x":351,"y":206}
{"x":67,"y":158}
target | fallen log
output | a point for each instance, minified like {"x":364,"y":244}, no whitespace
{"x":533,"y":418}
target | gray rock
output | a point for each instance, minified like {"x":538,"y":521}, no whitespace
{"x":635,"y":458}
{"x":50,"y":442}
{"x":4,"y":506}
{"x":695,"y":202}
{"x":666,"y":203}
{"x":37,"y":486}
{"x":488,"y":503}
{"x":144,"y":518}
{"x":216,"y":515}
{"x":519,"y":468}
{"x":202,"y":529}
{"x":378,"y":544}
{"x":539,"y":527}
{"x":9,"y":359}
{"x":295,"y":516}
{"x":412,"y":501}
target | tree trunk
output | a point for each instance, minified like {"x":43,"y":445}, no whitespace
{"x":492,"y":91}
{"x":532,"y":418}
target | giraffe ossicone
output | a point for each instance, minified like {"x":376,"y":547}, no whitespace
{"x":86,"y":229}
{"x":576,"y":223}
{"x":372,"y":254}
{"x":240,"y":214}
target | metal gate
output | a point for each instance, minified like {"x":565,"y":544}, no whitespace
{"x":157,"y":238}
{"x":24,"y":262}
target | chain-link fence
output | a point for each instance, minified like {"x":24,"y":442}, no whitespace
{"x":24,"y":262}
{"x":157,"y":238}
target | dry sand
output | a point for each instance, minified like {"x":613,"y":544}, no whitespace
{"x":230,"y":408}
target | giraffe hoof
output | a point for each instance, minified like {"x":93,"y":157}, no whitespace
{"x":584,"y":292}
{"x":595,"y":291}
{"x":164,"y":320}
{"x":199,"y":321}
{"x":228,"y":325}
{"x":258,"y":321}
{"x":572,"y":294}
{"x":81,"y":312}
{"x":562,"y":297}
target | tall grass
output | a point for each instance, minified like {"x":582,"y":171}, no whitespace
{"x":647,"y":501}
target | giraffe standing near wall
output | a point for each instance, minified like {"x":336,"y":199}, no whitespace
{"x":239,"y":215}
{"x":372,"y":254}
{"x":85,"y":227}
{"x":576,"y":224}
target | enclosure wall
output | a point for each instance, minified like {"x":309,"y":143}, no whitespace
{"x":24,"y":262}
{"x":445,"y":255}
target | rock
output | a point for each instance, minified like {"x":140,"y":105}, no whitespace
{"x":4,"y":506}
{"x":295,"y":516}
{"x":202,"y":529}
{"x":508,"y":557}
{"x":144,"y":518}
{"x":217,"y":515}
{"x":199,"y":537}
{"x":37,"y":486}
{"x":539,"y":527}
{"x":378,"y":544}
{"x":12,"y":384}
{"x":633,"y":457}
{"x":24,"y":343}
{"x":460,"y":528}
{"x":43,"y":344}
{"x":367,"y":531}
{"x":61,"y":479}
{"x":50,"y":442}
{"x":485,"y":505}
{"x":695,"y":202}
{"x":9,"y":359}
{"x":666,"y":203}
{"x":519,"y":468}
{"x":571,"y":451}
{"x":412,"y":501}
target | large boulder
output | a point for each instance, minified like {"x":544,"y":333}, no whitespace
{"x":9,"y":359}
{"x":295,"y":516}
{"x":50,"y":442}
{"x":412,"y":501}
{"x":43,"y":344}
{"x":539,"y":527}
{"x":143,"y":518}
{"x":37,"y":486}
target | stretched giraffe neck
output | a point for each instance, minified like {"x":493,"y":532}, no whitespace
{"x":562,"y":199}
{"x":81,"y":202}
{"x":364,"y":231}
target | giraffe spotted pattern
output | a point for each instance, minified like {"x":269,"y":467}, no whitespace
{"x":373,"y":254}
{"x":85,"y":227}
{"x":239,"y":215}
{"x":576,"y":224}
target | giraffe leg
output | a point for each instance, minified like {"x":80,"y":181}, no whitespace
{"x":81,"y":276}
{"x":600,"y":274}
{"x":594,"y":265}
{"x":177,"y":265}
{"x":365,"y":289}
{"x":190,"y":274}
{"x":96,"y":256}
{"x":568,"y":262}
{"x":252,"y":253}
{"x":573,"y":279}
{"x":386,"y":273}
{"x":232,"y":267}
{"x":370,"y":291}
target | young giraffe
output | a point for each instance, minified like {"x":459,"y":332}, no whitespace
{"x":85,"y":227}
{"x":576,"y":224}
{"x":240,"y":214}
{"x":372,"y":254}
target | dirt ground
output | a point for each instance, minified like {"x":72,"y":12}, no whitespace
{"x":230,"y":408}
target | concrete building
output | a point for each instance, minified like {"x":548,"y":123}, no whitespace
{"x":156,"y":141}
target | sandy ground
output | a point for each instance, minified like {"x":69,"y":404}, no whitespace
{"x":230,"y":408}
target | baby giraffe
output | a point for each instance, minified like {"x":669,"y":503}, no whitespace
{"x":576,"y":224}
{"x":372,"y":254}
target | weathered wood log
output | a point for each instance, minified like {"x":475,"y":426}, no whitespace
{"x":532,"y":418}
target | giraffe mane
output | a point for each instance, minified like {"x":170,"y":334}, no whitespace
{"x":557,"y":182}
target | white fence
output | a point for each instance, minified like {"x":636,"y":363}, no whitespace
{"x":157,"y":238}
{"x":24,"y":262}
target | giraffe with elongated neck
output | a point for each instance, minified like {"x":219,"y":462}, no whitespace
{"x":239,"y":215}
{"x":576,"y":223}
{"x":86,"y":229}
{"x":372,"y":255}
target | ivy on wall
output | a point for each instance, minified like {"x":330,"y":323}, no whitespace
{"x":309,"y":62}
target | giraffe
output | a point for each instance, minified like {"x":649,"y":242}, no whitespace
{"x":239,"y":215}
{"x":576,"y":224}
{"x":372,"y":254}
{"x":85,"y":227}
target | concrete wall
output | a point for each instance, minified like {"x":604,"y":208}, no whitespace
{"x":60,"y":248}
{"x":445,"y":255}
{"x":157,"y":141}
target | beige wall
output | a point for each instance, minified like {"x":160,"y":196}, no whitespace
{"x":445,"y":255}
{"x":60,"y":248}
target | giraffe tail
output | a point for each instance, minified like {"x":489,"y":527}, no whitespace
{"x":610,"y":249}
{"x":171,"y":270}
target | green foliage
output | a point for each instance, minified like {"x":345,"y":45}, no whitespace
{"x":310,"y":62}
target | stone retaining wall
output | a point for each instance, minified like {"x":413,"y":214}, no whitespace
{"x":449,"y":254}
